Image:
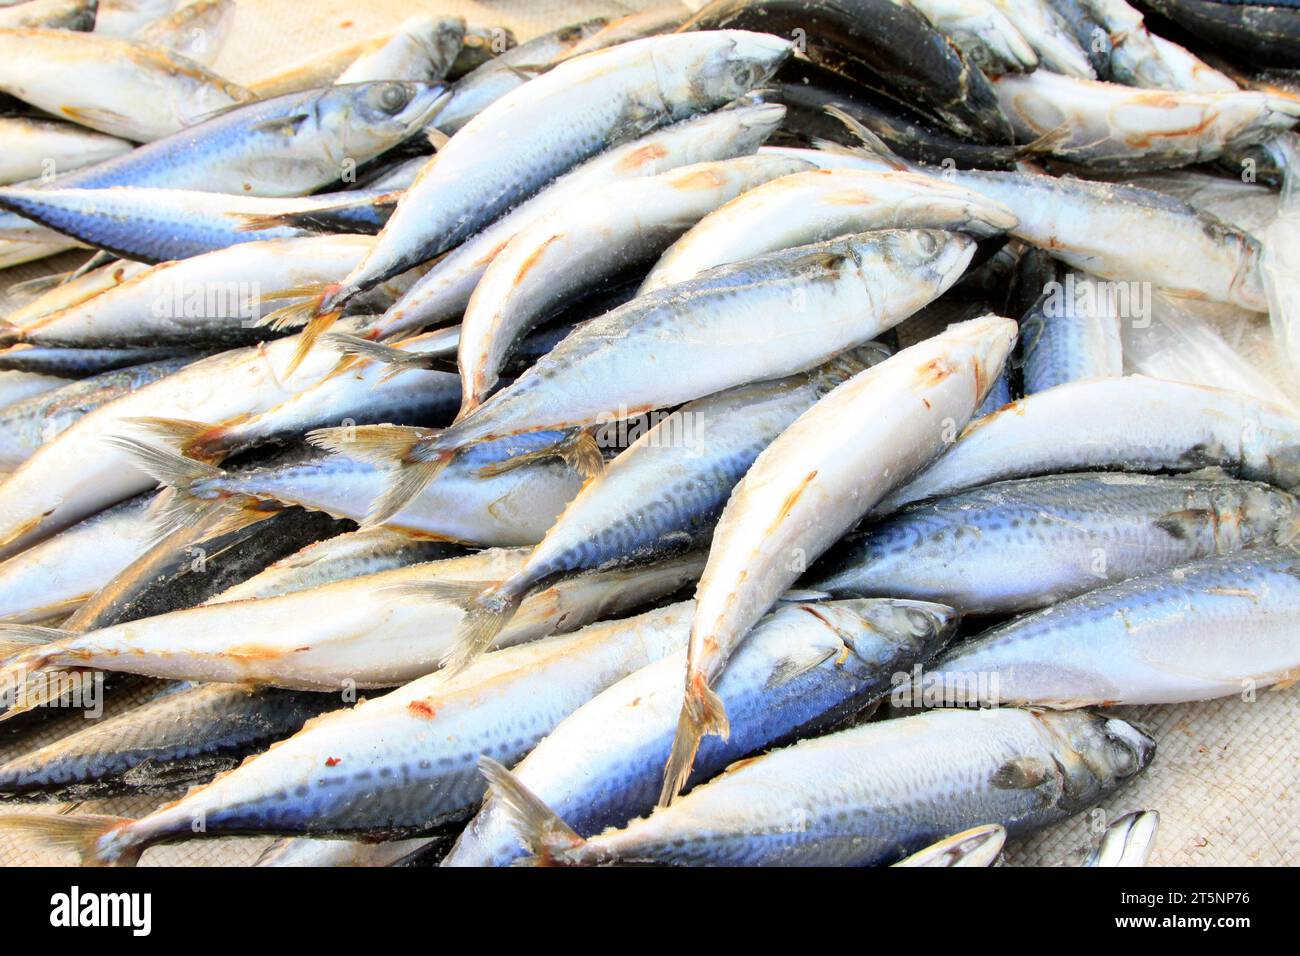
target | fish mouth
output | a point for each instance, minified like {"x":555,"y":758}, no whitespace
{"x":425,"y":107}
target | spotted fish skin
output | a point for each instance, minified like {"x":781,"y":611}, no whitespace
{"x":406,"y":763}
{"x":804,"y":668}
{"x":1016,"y":545}
{"x":1211,"y":628}
{"x":873,"y":794}
{"x":165,"y":744}
{"x":1133,"y":423}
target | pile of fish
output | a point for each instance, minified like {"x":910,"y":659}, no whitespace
{"x":777,"y":433}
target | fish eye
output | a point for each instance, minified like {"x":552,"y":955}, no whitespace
{"x":393,"y":97}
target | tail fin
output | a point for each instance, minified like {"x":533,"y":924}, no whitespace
{"x":162,"y":464}
{"x":550,"y":840}
{"x":79,"y":834}
{"x":387,"y":446}
{"x":397,"y":360}
{"x":488,"y":606}
{"x":197,"y":440}
{"x":702,"y":713}
{"x":579,"y":451}
{"x":28,"y":678}
{"x":871,"y":143}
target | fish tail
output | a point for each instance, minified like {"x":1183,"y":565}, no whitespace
{"x":488,"y":606}
{"x":580,"y":451}
{"x":486,"y":616}
{"x":385,"y":445}
{"x":258,"y":222}
{"x":198,"y":440}
{"x":10,"y":334}
{"x":871,"y":143}
{"x":165,"y":466}
{"x":702,"y":713}
{"x":316,"y":326}
{"x":550,"y":840}
{"x":19,"y":638}
{"x":405,"y":485}
{"x":83,"y":834}
{"x":397,"y":360}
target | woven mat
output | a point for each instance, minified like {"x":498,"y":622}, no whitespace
{"x":1225,"y":770}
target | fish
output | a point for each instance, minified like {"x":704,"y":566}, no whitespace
{"x":807,"y":207}
{"x":869,"y":795}
{"x":36,"y":148}
{"x":1263,"y":34}
{"x":177,"y":739}
{"x":78,"y":15}
{"x":804,"y":669}
{"x":1179,"y":428}
{"x":978,"y":846}
{"x":111,"y":84}
{"x":48,"y":582}
{"x":1158,"y":638}
{"x":1106,"y":126}
{"x":513,"y":507}
{"x":1022,"y":544}
{"x":219,"y":297}
{"x":879,"y":44}
{"x":546,"y":263}
{"x":509,"y":70}
{"x":845,"y":292}
{"x":661,"y":496}
{"x":30,"y":423}
{"x":1072,"y":333}
{"x":812,"y":484}
{"x":16,"y":386}
{"x":192,"y":564}
{"x":196,"y":31}
{"x":573,"y":111}
{"x":80,"y":473}
{"x":1134,"y":58}
{"x":348,"y":555}
{"x":983,"y":33}
{"x":73,"y":364}
{"x":444,"y":292}
{"x":68,"y":290}
{"x":1128,"y":841}
{"x":1280,"y":263}
{"x":422,"y":49}
{"x":1057,"y":47}
{"x":380,"y":630}
{"x":286,"y":146}
{"x":399,"y":766}
{"x":160,"y":225}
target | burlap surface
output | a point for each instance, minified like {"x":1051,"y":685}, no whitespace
{"x":1225,"y":770}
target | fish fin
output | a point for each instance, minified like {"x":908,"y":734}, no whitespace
{"x":1021,"y":773}
{"x":93,"y":117}
{"x":74,"y":834}
{"x":288,"y":125}
{"x":261,"y":221}
{"x":486,"y":615}
{"x":549,"y":839}
{"x":580,"y":451}
{"x":18,"y":638}
{"x":1184,"y":525}
{"x":189,"y":438}
{"x":872,"y":143}
{"x":804,"y":597}
{"x":397,"y":360}
{"x":387,"y":445}
{"x":315,"y":327}
{"x":702,"y":713}
{"x":174,"y":509}
{"x":162,"y":464}
{"x":10,"y":334}
{"x":28,"y":677}
{"x":793,"y":667}
{"x":404,"y":485}
{"x":29,"y":290}
{"x":459,"y":593}
{"x":1046,"y":143}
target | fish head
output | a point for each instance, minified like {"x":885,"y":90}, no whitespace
{"x":985,"y":342}
{"x":731,"y":63}
{"x":370,"y":117}
{"x":1268,"y":512}
{"x":937,"y":257}
{"x":1095,"y":753}
{"x":893,"y":632}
